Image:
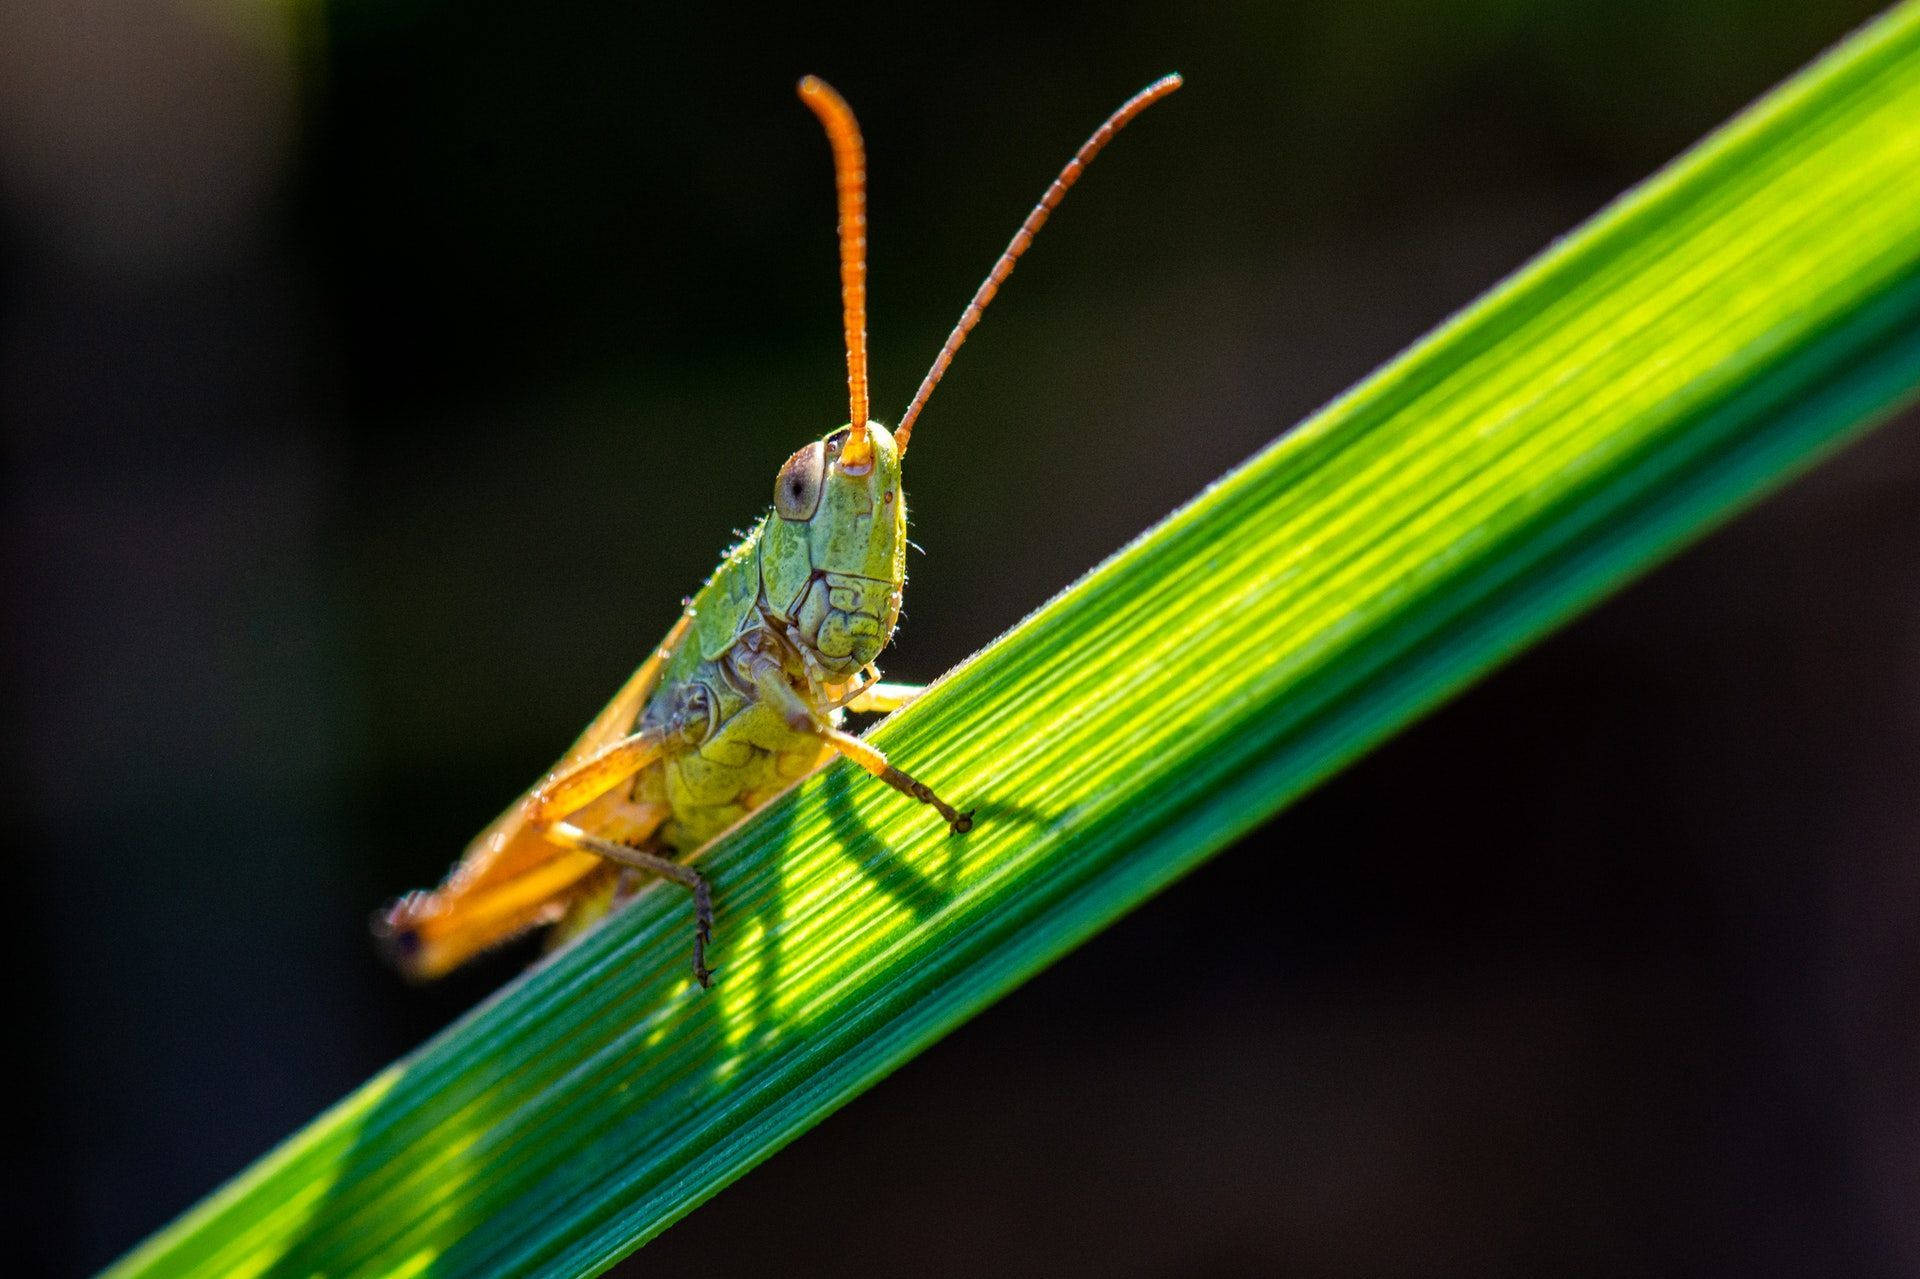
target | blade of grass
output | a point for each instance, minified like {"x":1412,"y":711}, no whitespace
{"x":1713,"y":331}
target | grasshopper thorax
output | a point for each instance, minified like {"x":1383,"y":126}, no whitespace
{"x":833,"y":554}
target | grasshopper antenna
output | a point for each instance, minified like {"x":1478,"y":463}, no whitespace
{"x":1021,"y":239}
{"x":850,"y":186}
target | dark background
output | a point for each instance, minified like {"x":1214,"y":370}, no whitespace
{"x":377,"y":377}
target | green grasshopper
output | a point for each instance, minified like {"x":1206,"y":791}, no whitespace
{"x":746,"y":694}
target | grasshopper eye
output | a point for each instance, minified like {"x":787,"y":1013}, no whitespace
{"x":796,"y":494}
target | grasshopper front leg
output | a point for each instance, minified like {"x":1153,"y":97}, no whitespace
{"x":874,"y":760}
{"x":771,"y":683}
{"x":880,"y":698}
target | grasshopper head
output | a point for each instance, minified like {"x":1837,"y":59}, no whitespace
{"x":833,"y":557}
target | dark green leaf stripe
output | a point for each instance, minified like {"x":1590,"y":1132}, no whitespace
{"x":1707,"y":335}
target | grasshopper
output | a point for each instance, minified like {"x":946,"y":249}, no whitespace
{"x":747,"y":692}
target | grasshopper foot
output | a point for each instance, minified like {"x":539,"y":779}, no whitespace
{"x":702,"y":930}
{"x":958,"y":822}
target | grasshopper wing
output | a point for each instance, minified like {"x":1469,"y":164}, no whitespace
{"x":512,"y":877}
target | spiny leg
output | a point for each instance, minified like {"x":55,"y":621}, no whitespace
{"x":771,"y":683}
{"x":686,"y":876}
{"x":871,"y":758}
{"x":571,"y":788}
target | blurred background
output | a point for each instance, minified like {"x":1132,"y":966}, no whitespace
{"x":378,"y":377}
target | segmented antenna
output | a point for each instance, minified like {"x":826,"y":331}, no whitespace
{"x":1022,"y":238}
{"x":850,"y":184}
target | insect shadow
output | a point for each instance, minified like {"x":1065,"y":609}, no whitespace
{"x":456,"y":1169}
{"x":911,"y":889}
{"x":757,"y":1004}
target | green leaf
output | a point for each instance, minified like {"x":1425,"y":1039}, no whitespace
{"x":1701,"y":339}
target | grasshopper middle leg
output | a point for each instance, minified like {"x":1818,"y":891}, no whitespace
{"x":679,"y":872}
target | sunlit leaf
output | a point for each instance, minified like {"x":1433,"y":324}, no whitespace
{"x":1712,"y":332}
